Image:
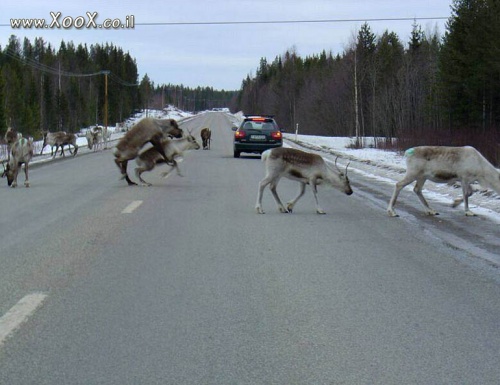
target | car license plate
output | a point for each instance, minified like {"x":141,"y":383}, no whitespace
{"x":258,"y":137}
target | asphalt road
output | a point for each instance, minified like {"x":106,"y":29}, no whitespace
{"x":183,"y":283}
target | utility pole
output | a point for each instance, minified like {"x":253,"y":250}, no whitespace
{"x":358,"y":140}
{"x":106,"y":73}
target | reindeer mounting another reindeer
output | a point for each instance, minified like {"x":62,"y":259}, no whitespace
{"x":146,"y":130}
{"x":174,"y":148}
{"x":21,"y":153}
{"x":304,"y":167}
{"x":442,"y":164}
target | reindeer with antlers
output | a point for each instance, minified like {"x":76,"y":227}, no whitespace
{"x":304,"y":167}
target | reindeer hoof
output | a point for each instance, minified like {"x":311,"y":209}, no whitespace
{"x":320,"y":212}
{"x":431,"y":213}
{"x":470,"y":214}
{"x":392,"y":213}
{"x":283,"y":210}
{"x":259,"y":210}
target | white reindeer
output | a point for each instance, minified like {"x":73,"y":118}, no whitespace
{"x":21,"y":152}
{"x":442,"y":164}
{"x":174,"y":148}
{"x":98,"y":137}
{"x":11,"y":136}
{"x":303,"y":167}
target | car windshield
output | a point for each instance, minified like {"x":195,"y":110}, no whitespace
{"x":259,"y":125}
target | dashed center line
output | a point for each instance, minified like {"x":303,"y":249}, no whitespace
{"x":19,"y":313}
{"x":131,"y":207}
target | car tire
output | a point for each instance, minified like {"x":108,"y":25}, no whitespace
{"x":236,"y":154}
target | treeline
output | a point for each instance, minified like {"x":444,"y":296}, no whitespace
{"x":185,"y":98}
{"x":430,"y":90}
{"x":44,"y":88}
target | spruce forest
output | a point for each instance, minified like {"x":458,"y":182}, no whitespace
{"x":431,"y":89}
{"x":42,"y":88}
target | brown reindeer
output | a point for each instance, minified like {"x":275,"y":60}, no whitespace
{"x":146,"y":130}
{"x":59,"y":139}
{"x":206,"y":138}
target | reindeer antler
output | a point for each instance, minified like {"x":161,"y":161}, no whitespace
{"x":337,"y":167}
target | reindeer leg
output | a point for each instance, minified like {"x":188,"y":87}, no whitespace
{"x":26,"y":179}
{"x":397,"y":189}
{"x":418,"y":190}
{"x":314,"y":189}
{"x":141,"y":169}
{"x":16,"y":172}
{"x":138,"y":172}
{"x":291,"y":204}
{"x":130,"y":182}
{"x":122,"y":165}
{"x":176,"y":166}
{"x":262,"y":185}
{"x":467,"y":192}
{"x":272,"y":187}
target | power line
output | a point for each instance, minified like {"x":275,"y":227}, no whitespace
{"x":181,"y":23}
{"x":288,"y":21}
{"x":55,"y":71}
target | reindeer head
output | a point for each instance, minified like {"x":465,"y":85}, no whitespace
{"x":7,"y":171}
{"x":193,"y":144}
{"x":343,"y":180}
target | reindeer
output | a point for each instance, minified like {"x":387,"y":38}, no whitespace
{"x":92,"y":139}
{"x":59,"y":139}
{"x":11,"y":136}
{"x":146,"y":130}
{"x":442,"y":164}
{"x":206,"y":137}
{"x":21,"y":152}
{"x":173,"y":148}
{"x":97,"y":137}
{"x":304,"y":167}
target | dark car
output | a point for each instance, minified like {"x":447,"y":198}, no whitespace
{"x":256,"y":135}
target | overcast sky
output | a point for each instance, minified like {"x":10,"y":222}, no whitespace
{"x":180,"y":42}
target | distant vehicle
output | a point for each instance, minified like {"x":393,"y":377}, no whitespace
{"x":256,"y":134}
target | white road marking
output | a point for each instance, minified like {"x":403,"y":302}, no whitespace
{"x":19,"y":313}
{"x":131,"y":207}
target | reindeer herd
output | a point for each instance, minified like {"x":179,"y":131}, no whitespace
{"x":439,"y":164}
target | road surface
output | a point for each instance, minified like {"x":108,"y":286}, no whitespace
{"x":183,"y":283}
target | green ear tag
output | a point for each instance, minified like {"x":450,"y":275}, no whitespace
{"x":409,"y":152}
